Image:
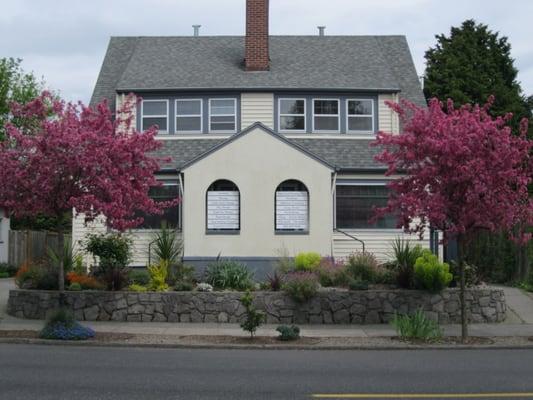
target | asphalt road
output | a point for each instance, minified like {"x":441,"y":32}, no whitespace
{"x":56,"y":372}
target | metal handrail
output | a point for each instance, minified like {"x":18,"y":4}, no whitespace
{"x":351,"y":236}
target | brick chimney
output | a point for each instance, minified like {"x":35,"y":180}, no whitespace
{"x":256,"y":42}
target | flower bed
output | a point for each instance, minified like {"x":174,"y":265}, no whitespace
{"x":327,"y":307}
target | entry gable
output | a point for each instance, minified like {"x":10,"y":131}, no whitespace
{"x":254,"y":129}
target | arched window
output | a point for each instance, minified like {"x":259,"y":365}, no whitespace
{"x":223,"y":207}
{"x":292,"y":207}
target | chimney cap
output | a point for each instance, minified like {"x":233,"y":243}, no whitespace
{"x":196,"y":30}
{"x":321,"y":29}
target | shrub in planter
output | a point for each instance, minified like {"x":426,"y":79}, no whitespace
{"x":158,"y":276}
{"x":72,"y":260}
{"x":227,"y":274}
{"x":404,"y":259}
{"x":62,"y":326}
{"x":332,"y":273}
{"x":288,"y":332}
{"x":307,"y":261}
{"x":430,"y":273}
{"x":134,"y":287}
{"x":183,"y":286}
{"x":273,"y":282}
{"x":357,"y":284}
{"x":74,"y":287}
{"x":300,"y":285}
{"x":139,"y":277}
{"x":363,"y":266}
{"x":254,"y":318}
{"x":472,"y":277}
{"x":416,"y":326}
{"x":8,"y":269}
{"x":37,"y":276}
{"x":85,"y":281}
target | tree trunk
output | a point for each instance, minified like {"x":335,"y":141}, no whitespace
{"x":462,"y":287}
{"x":61,"y":271}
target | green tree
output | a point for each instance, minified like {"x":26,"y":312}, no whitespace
{"x":471,"y":64}
{"x":15,"y":85}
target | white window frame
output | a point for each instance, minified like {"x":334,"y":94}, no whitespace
{"x":338,"y":115}
{"x":292,"y":115}
{"x":234,"y":115}
{"x":176,"y":116}
{"x":348,"y":130}
{"x":154,"y":116}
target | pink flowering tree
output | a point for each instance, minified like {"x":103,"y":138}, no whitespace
{"x":81,"y":158}
{"x":462,"y":171}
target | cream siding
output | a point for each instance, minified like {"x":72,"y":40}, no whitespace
{"x":257,"y":107}
{"x":388,"y":120}
{"x":80,"y":230}
{"x":4,"y":236}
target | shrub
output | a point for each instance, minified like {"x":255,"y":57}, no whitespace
{"x":300,"y":285}
{"x":416,"y":326}
{"x":356,"y":284}
{"x":37,"y":276}
{"x":254,"y":318}
{"x":74,"y":287}
{"x":404,"y":259}
{"x":307,"y":261}
{"x":332,"y":273}
{"x":72,"y":260}
{"x":158,"y":276}
{"x":85,"y":281}
{"x":167,"y":247}
{"x":183,"y":286}
{"x":284,"y":262}
{"x":274,"y":282}
{"x":139,"y":277}
{"x":430,"y":273}
{"x":227,"y":274}
{"x":472,"y":277}
{"x":4,"y":275}
{"x":113,"y":277}
{"x":204,"y":287}
{"x":134,"y":287}
{"x":62,"y":326}
{"x":288,"y":332}
{"x":8,"y":269}
{"x":363,"y":266}
{"x":112,"y":249}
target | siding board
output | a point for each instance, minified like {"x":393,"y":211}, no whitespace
{"x":257,"y":107}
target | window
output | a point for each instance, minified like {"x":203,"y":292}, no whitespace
{"x":223,"y":115}
{"x":325,"y":115}
{"x":171,"y":216}
{"x":360,"y":115}
{"x":223,"y":207}
{"x":154,"y":112}
{"x":292,"y":207}
{"x":291,"y":115}
{"x":355,"y":206}
{"x":189,"y":115}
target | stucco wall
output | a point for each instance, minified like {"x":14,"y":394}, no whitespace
{"x":257,"y":163}
{"x":328,"y":307}
{"x":4,"y":236}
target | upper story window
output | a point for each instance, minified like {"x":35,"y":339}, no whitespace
{"x":189,"y":116}
{"x":223,"y":208}
{"x":222,"y":115}
{"x":154,"y":112}
{"x":291,"y":115}
{"x":360,"y":115}
{"x":326,"y":115}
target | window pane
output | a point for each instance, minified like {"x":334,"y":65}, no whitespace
{"x":326,"y":106}
{"x":292,"y":210}
{"x":355,"y":204}
{"x":188,"y":123}
{"x":160,"y":122}
{"x":360,"y":124}
{"x":170,"y":217}
{"x":189,"y":107}
{"x":296,"y":123}
{"x":222,"y":107}
{"x":223,"y":123}
{"x":360,"y":107}
{"x":223,"y":210}
{"x":154,"y":108}
{"x":291,"y":106}
{"x":326,"y":123}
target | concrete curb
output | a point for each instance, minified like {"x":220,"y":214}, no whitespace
{"x":47,"y":342}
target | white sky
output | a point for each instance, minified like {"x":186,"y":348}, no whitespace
{"x":65,"y":40}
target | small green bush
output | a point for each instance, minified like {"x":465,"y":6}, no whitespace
{"x":75,"y":287}
{"x":4,"y":275}
{"x":158,"y":276}
{"x":37,"y":276}
{"x":254,"y":318}
{"x":403,"y":263}
{"x":363,"y":266}
{"x":307,"y":261}
{"x":227,"y":274}
{"x":288,"y":332}
{"x":430,"y":273}
{"x":8,"y":269}
{"x":139,"y":277}
{"x":416,"y":326}
{"x":357,"y":284}
{"x":301,"y":286}
{"x":183,"y":286}
{"x":332,"y":273}
{"x":135,"y":287}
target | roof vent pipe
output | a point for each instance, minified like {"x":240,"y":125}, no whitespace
{"x":196,"y":30}
{"x":321,"y":30}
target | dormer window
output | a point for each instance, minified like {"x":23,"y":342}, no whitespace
{"x":223,"y":115}
{"x":360,"y":115}
{"x":291,"y":115}
{"x":326,"y":115}
{"x":154,"y":112}
{"x":189,"y":116}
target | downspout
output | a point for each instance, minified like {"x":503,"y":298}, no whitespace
{"x":181,"y":191}
{"x":333,"y":185}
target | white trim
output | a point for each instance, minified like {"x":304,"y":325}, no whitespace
{"x":154,"y":116}
{"x":292,"y":115}
{"x":201,"y":115}
{"x":234,"y":115}
{"x":373,"y":115}
{"x":338,"y":115}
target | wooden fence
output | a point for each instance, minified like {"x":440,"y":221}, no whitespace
{"x":31,"y":245}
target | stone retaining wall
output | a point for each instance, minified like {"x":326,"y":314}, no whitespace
{"x":328,"y":307}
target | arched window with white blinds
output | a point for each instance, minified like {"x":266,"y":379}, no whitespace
{"x":292,"y":207}
{"x":223,"y":207}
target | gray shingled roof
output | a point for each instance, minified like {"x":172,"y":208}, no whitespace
{"x":297,"y":63}
{"x":345,"y":154}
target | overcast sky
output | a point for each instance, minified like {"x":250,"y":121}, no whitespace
{"x":65,"y":40}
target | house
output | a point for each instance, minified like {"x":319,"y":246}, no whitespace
{"x":4,"y":236}
{"x":269,"y":137}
